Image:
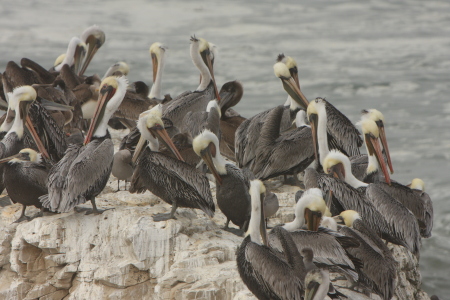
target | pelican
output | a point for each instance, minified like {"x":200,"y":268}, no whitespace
{"x":84,"y":170}
{"x":330,"y":248}
{"x":394,"y":222}
{"x":379,"y":266}
{"x":173,"y":180}
{"x":43,"y":75}
{"x":232,"y":194}
{"x":196,"y":121}
{"x":74,"y":55}
{"x":282,"y":154}
{"x":230,"y":95}
{"x":120,"y":68}
{"x":157,"y":53}
{"x":360,"y":162}
{"x":94,"y":38}
{"x":25,"y":179}
{"x":265,"y":274}
{"x":317,"y":283}
{"x":176,"y":109}
{"x":122,"y":167}
{"x":332,"y":129}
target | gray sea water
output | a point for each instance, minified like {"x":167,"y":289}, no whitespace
{"x":389,"y":55}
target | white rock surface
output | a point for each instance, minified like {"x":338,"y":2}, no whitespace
{"x":123,"y":254}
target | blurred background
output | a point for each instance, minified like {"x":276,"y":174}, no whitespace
{"x":392,"y":56}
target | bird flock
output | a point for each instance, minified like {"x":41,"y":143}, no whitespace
{"x":56,"y":153}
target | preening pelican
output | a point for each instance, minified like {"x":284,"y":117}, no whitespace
{"x":94,"y":38}
{"x":265,"y":274}
{"x":85,"y":169}
{"x":171,"y":179}
{"x":394,"y":222}
{"x":76,"y":51}
{"x":379,"y":266}
{"x":25,"y":179}
{"x":232,"y":194}
{"x":120,"y":68}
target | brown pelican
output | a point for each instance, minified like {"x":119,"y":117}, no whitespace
{"x":172,"y":180}
{"x":25,"y":179}
{"x":85,"y":169}
{"x":74,"y":55}
{"x":94,"y":38}
{"x":43,"y":75}
{"x":265,"y":274}
{"x":332,"y":129}
{"x":360,"y":162}
{"x":330,"y":248}
{"x":230,"y":95}
{"x":248,"y":133}
{"x":379,"y":266}
{"x":232,"y":194}
{"x":282,"y":154}
{"x":120,"y":68}
{"x":122,"y":167}
{"x":176,"y":109}
{"x":394,"y":222}
{"x":196,"y":121}
{"x":157,"y":53}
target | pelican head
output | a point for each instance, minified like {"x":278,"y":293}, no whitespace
{"x":309,"y":209}
{"x":307,"y":254}
{"x":59,"y":60}
{"x":120,"y":68}
{"x":151,"y":126}
{"x":24,"y":155}
{"x":230,"y":94}
{"x":112,"y":92}
{"x":257,"y":224}
{"x":206,"y":145}
{"x":417,"y":184}
{"x":157,"y":51}
{"x":347,"y":218}
{"x":378,"y":118}
{"x":337,"y":164}
{"x":371,"y":134}
{"x":94,"y":38}
{"x":74,"y":55}
{"x":291,"y":64}
{"x":289,"y":84}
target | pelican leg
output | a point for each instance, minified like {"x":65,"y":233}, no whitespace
{"x":118,"y":188}
{"x":226,"y":224}
{"x":94,"y":208}
{"x":168,"y":216}
{"x":267,"y":224}
{"x":22,"y":217}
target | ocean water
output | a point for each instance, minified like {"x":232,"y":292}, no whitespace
{"x":392,"y":56}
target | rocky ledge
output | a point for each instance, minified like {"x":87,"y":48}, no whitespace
{"x":123,"y":254}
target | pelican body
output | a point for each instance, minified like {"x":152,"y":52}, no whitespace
{"x":84,"y":170}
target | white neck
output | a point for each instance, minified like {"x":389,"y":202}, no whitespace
{"x":350,"y":178}
{"x":69,"y":58}
{"x":198,"y":62}
{"x":255,"y":218}
{"x":322,"y":138}
{"x":373,"y":164}
{"x":293,"y":105}
{"x":288,"y":101}
{"x":299,"y":220}
{"x":155,"y":92}
{"x":153,"y":144}
{"x":6,"y":126}
{"x":17,"y":125}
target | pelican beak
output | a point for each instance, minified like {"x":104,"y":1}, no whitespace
{"x":337,"y":171}
{"x":50,"y":105}
{"x":294,"y":74}
{"x":312,"y":219}
{"x":138,"y":149}
{"x":6,"y":159}
{"x":80,"y":53}
{"x":94,"y":43}
{"x":311,"y":290}
{"x":207,"y":155}
{"x":374,"y":149}
{"x":166,"y":139}
{"x":313,"y":120}
{"x":106,"y":93}
{"x":263,"y":222}
{"x":290,"y":86}
{"x":207,"y":59}
{"x":155,"y":66}
{"x":385,"y":144}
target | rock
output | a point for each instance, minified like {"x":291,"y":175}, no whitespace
{"x":123,"y":254}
